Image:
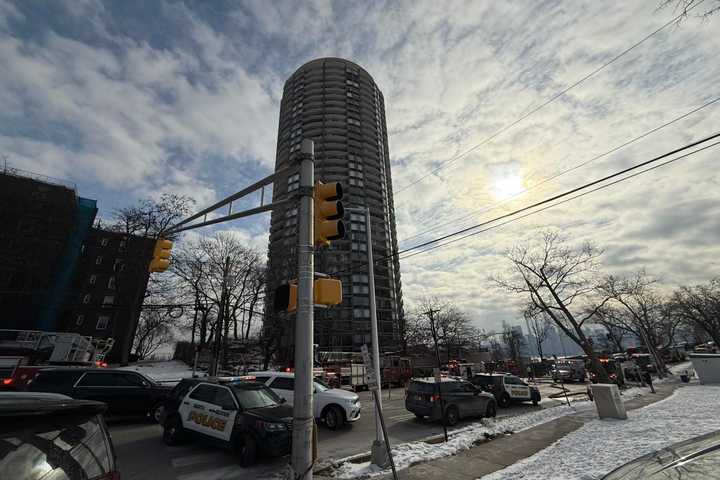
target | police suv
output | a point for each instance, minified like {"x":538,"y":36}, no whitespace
{"x":506,"y":388}
{"x":245,"y":417}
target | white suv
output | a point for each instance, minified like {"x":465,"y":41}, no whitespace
{"x":333,"y":406}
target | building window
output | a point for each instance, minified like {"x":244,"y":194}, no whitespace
{"x":79,"y":319}
{"x":104,"y":242}
{"x":87,"y":298}
{"x":360,"y":227}
{"x":360,"y":289}
{"x":293,"y":182}
{"x":350,"y":82}
{"x":108,"y":301}
{"x":123,"y":244}
{"x":356,"y":183}
{"x":102,"y":322}
{"x":98,"y":260}
{"x":359,"y":247}
{"x":360,"y":279}
{"x":119,"y":265}
{"x":361,"y":313}
{"x":93,"y":279}
{"x":353,"y":121}
{"x":111,"y":283}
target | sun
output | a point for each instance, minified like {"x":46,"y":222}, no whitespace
{"x":507,"y":186}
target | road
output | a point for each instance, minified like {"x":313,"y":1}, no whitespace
{"x":142,"y":455}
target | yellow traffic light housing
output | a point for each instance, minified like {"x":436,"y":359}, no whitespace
{"x":161,"y":255}
{"x":328,"y":213}
{"x":326,"y":292}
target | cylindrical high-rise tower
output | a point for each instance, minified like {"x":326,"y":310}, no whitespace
{"x":337,"y":104}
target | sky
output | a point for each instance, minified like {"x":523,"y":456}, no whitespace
{"x":132,"y":99}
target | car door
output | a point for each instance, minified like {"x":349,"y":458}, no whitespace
{"x":471,"y":401}
{"x":222,"y":412}
{"x":285,"y":387}
{"x":195,"y":409}
{"x":109,"y":387}
{"x":516,"y":388}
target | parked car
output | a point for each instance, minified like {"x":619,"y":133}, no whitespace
{"x":694,"y":459}
{"x":506,"y":388}
{"x":125,"y":392}
{"x":460,"y":398}
{"x":51,"y":436}
{"x":333,"y":406}
{"x":245,"y":417}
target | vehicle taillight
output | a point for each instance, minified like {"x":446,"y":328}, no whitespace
{"x":7,"y":381}
{"x":435,"y":398}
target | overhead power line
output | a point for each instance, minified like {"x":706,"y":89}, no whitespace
{"x":547,"y":207}
{"x":563,"y":172}
{"x":558,"y":196}
{"x":546,"y":102}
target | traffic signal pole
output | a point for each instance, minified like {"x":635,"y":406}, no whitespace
{"x":303,"y":418}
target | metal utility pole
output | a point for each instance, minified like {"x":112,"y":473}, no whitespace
{"x":433,"y":330}
{"x":379,"y":455}
{"x":303,"y":418}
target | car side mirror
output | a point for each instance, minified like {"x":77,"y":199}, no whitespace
{"x":282,"y":400}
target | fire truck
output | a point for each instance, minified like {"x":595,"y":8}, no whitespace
{"x":348,"y":368}
{"x":24,"y":352}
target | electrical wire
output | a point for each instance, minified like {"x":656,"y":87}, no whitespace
{"x":571,"y":169}
{"x":561,"y":202}
{"x":546,"y":103}
{"x":551,"y":199}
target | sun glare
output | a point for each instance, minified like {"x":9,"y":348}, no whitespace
{"x":507,"y":186}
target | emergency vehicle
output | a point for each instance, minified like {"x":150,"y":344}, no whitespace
{"x":506,"y":388}
{"x":244,"y":417}
{"x":24,"y":352}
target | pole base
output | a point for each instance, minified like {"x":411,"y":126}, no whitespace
{"x":378,"y":454}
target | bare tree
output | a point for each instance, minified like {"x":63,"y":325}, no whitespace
{"x":559,"y":281}
{"x":440,"y":324}
{"x":699,"y":307}
{"x":154,"y":330}
{"x":647,"y":314}
{"x":540,"y":326}
{"x":151,"y":217}
{"x":684,"y":7}
{"x":615,"y":331}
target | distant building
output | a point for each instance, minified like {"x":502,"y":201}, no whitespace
{"x":337,"y":104}
{"x":109,"y":289}
{"x":57,"y":272}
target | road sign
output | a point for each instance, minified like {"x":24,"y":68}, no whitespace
{"x":370,"y":377}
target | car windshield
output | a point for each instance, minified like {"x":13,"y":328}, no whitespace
{"x":259,"y":397}
{"x":321,"y":386}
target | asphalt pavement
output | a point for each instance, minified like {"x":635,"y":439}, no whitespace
{"x":142,"y":455}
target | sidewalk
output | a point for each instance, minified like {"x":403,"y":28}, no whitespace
{"x":504,"y":451}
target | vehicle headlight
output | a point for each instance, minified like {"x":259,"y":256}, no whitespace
{"x":352,"y":401}
{"x":273,"y":426}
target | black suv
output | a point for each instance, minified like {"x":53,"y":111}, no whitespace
{"x":245,"y":417}
{"x":47,"y":435}
{"x":125,"y":392}
{"x":461,"y":399}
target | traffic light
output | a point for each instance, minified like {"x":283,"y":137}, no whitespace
{"x":328,"y":213}
{"x":286,"y":297}
{"x":161,"y":255}
{"x":326,"y":291}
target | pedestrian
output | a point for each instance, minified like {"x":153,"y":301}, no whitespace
{"x":530,"y":375}
{"x":648,"y":379}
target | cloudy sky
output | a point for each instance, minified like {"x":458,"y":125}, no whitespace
{"x":130,"y":99}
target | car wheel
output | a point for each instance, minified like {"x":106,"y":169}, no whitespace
{"x":452,"y":416}
{"x":333,"y":418}
{"x":535,"y":401}
{"x":504,"y":400}
{"x":173,"y":431}
{"x":490,"y":410}
{"x":246,"y":450}
{"x":157,"y":412}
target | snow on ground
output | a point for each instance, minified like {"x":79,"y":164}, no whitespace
{"x":407,"y":454}
{"x":689,"y":412}
{"x":167,"y":372}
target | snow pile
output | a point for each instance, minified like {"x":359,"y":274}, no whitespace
{"x":690,"y":412}
{"x":166,"y":372}
{"x":462,"y":439}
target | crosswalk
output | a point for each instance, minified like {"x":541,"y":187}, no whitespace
{"x":205,"y":463}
